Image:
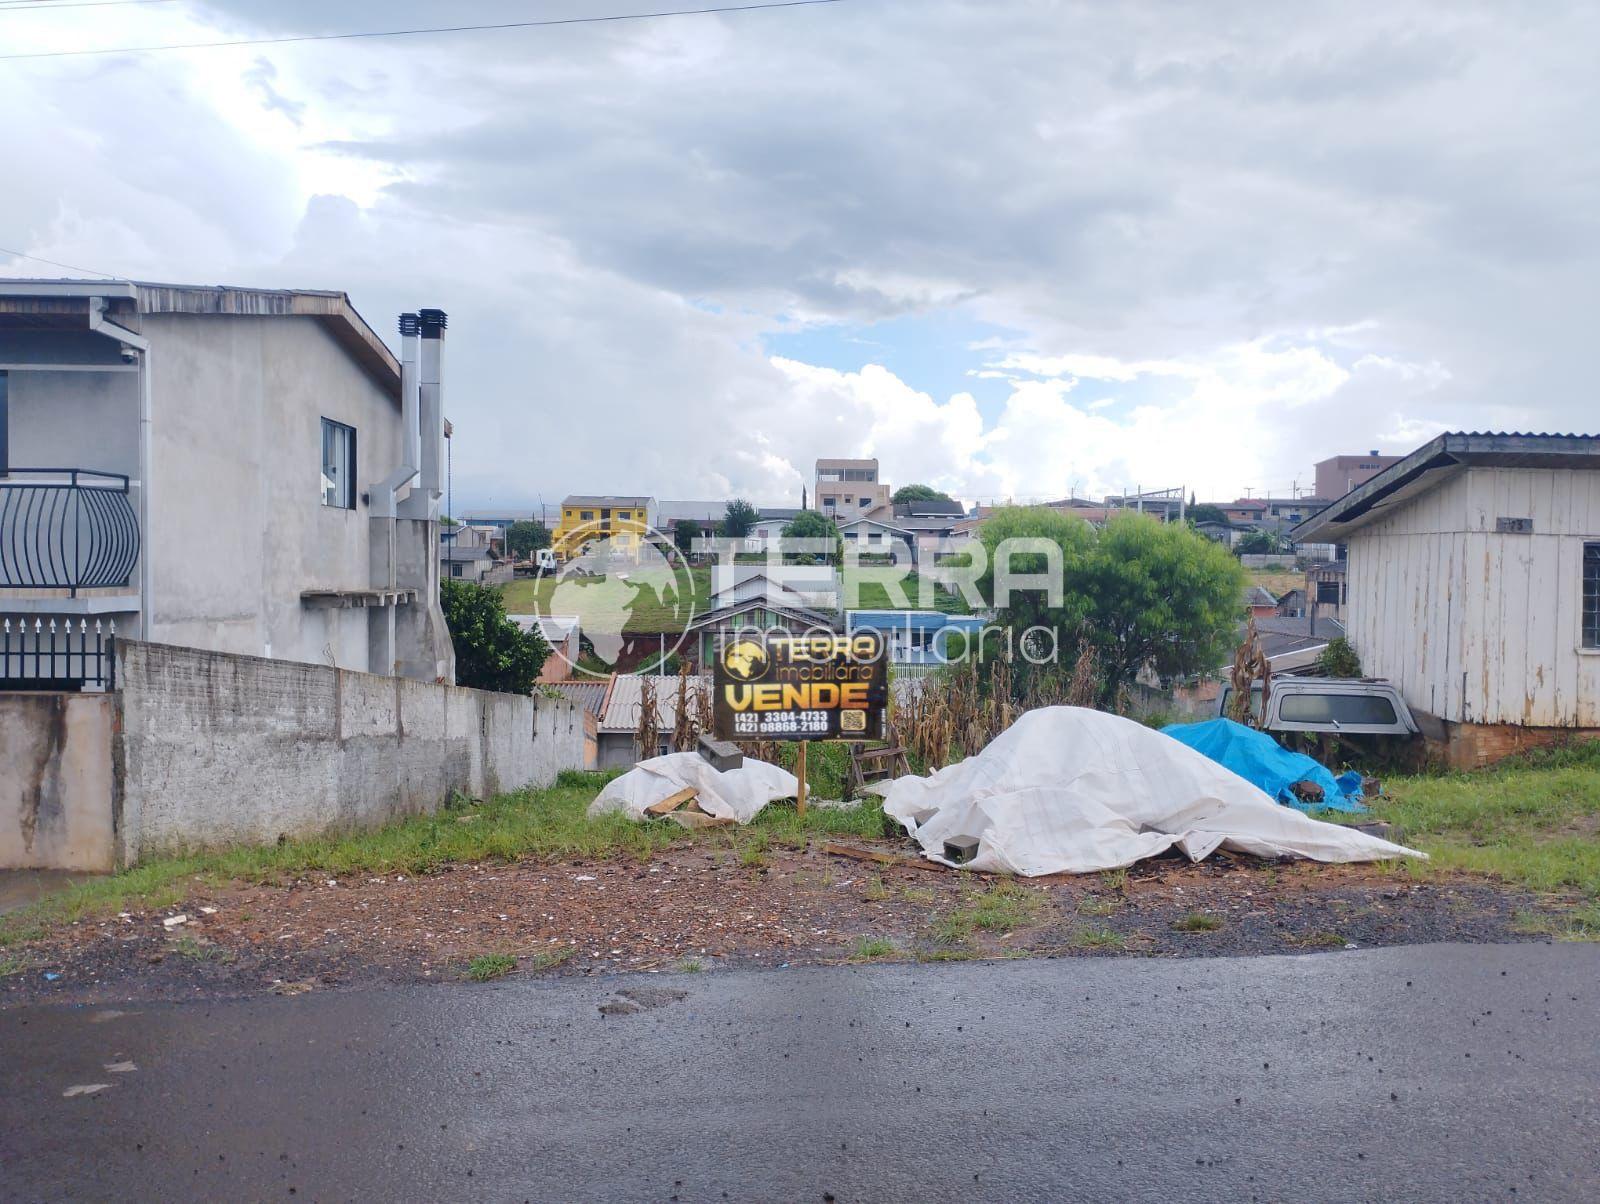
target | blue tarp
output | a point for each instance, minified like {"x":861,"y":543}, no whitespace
{"x":1258,"y":758}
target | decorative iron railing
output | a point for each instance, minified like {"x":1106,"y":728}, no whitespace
{"x":46,"y":655}
{"x":66,"y":528}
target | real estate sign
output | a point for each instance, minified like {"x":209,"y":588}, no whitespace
{"x":815,"y":686}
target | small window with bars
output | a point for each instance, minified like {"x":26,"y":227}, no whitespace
{"x":1591,"y":595}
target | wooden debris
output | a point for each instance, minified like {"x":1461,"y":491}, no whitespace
{"x":672,"y":802}
{"x":844,"y":850}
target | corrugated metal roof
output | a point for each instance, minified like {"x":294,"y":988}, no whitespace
{"x":627,"y":689}
{"x":1418,"y":472}
{"x":590,"y":695}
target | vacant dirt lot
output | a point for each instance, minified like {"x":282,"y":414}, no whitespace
{"x":701,"y":907}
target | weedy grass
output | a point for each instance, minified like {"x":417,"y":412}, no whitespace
{"x":1003,"y":907}
{"x":548,"y":959}
{"x":873,"y":948}
{"x":1097,"y":905}
{"x":539,"y":825}
{"x":490,"y":965}
{"x":1096,"y":938}
{"x":1533,"y":821}
{"x":1197,"y":921}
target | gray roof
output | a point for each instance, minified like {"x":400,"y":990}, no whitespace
{"x":935,"y":507}
{"x":1258,"y":595}
{"x":605,"y":499}
{"x":451,"y":552}
{"x":627,"y":692}
{"x":590,"y":695}
{"x":1438,"y":459}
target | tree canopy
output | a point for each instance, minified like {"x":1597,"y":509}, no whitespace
{"x":739,"y":518}
{"x":684,"y":532}
{"x":808,"y":524}
{"x":1138,"y":592}
{"x":525,"y":538}
{"x":1207,"y":513}
{"x":919,"y":493}
{"x":492,"y":652}
{"x":1261,"y":543}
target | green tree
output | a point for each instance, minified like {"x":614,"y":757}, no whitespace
{"x":525,"y":538}
{"x":492,"y":652}
{"x":1339,"y":659}
{"x":919,"y":493}
{"x":1260,"y":543}
{"x":739,"y":518}
{"x":1139,"y":592}
{"x":808,"y":524}
{"x":1207,"y":513}
{"x":684,"y":532}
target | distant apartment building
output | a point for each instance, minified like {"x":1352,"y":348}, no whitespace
{"x":587,"y":520}
{"x":847,"y":488}
{"x":1338,"y":475}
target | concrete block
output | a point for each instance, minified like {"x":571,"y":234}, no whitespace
{"x":960,"y":849}
{"x":723,"y":754}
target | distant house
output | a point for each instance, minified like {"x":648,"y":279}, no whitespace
{"x":589,"y":520}
{"x":768,"y":528}
{"x":1293,"y":604}
{"x":469,"y":563}
{"x":618,"y":730}
{"x":1474,"y":585}
{"x":1260,"y":602}
{"x":1244,"y":510}
{"x":563,"y":633}
{"x":846,"y":488}
{"x":1338,"y":475}
{"x":806,"y":585}
{"x":706,"y":636}
{"x":878,"y":537}
{"x":918,"y":637}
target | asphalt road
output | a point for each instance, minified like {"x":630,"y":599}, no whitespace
{"x":1446,"y":1073}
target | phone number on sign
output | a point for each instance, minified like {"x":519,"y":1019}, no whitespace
{"x":784,"y":723}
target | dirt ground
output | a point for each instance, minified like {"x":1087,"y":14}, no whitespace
{"x":700,"y":908}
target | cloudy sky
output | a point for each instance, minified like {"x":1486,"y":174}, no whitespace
{"x":1010,"y":247}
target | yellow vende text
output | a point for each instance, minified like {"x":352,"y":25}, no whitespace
{"x":808,"y":696}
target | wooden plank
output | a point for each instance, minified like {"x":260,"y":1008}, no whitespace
{"x":855,"y":854}
{"x":672,"y":802}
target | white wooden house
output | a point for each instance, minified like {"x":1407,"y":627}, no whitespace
{"x":1473,"y":583}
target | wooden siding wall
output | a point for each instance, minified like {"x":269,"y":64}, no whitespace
{"x":1476,"y":626}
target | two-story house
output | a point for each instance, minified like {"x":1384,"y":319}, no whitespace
{"x":590,"y":519}
{"x":237,"y":470}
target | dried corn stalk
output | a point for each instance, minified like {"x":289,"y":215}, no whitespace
{"x":1250,"y":665}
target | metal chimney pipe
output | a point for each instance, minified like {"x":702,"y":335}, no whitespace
{"x":425,"y":495}
{"x":385,"y":493}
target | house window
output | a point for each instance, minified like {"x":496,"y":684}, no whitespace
{"x":586,"y":516}
{"x":1591,"y":595}
{"x":455,"y":570}
{"x":338,"y":465}
{"x":1328,"y":593}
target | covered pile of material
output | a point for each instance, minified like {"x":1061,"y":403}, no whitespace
{"x":1069,"y":790}
{"x":1258,"y":758}
{"x":735,"y":794}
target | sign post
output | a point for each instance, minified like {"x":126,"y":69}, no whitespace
{"x":771,"y":685}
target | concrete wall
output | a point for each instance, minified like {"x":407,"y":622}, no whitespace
{"x":218,"y":749}
{"x":56,"y":781}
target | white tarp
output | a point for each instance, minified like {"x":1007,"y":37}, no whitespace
{"x":737,"y":794}
{"x":1070,"y":790}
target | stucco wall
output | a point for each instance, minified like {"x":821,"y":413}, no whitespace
{"x":56,"y":781}
{"x":237,"y":528}
{"x":216,"y":748}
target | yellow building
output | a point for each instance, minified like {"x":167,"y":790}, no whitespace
{"x":587,"y":519}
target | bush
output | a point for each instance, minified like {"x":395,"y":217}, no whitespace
{"x":492,"y":652}
{"x":1339,"y":659}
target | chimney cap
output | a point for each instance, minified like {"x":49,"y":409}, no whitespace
{"x":433,"y":322}
{"x":409,"y":324}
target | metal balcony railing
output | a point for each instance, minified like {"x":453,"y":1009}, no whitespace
{"x":66,"y":528}
{"x":41,"y":656}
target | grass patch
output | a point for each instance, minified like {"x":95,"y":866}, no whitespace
{"x":548,"y":959}
{"x":1197,"y":921}
{"x":651,"y":609}
{"x":1317,"y":940}
{"x":197,"y":950}
{"x":1533,"y":821}
{"x":873,"y":948}
{"x":490,"y":965}
{"x":691,"y":966}
{"x":1096,"y":938}
{"x":1094,"y":905}
{"x":541,"y":825}
{"x":874,"y":891}
{"x":1003,"y":907}
{"x":13,"y":964}
{"x":1116,"y":880}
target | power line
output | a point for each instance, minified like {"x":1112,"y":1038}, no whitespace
{"x":405,"y":33}
{"x":69,"y":267}
{"x":18,"y":6}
